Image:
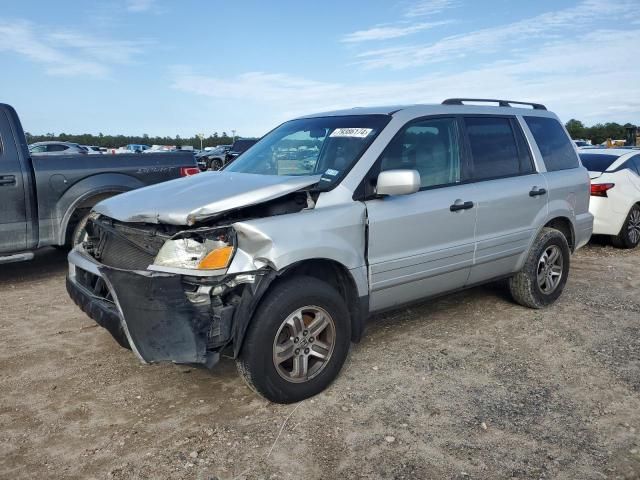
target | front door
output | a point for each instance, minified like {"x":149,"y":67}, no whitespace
{"x":422,"y":244}
{"x":13,"y":218}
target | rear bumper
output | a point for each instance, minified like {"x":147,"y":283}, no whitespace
{"x":583,"y":229}
{"x":607,"y":220}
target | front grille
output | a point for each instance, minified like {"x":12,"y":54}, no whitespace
{"x":125,"y":246}
{"x":120,"y":253}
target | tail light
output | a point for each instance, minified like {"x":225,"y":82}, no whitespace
{"x":600,"y":189}
{"x":188,"y":171}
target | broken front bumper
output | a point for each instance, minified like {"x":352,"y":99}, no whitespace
{"x":160,"y":316}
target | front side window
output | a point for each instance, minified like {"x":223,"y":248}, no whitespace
{"x":493,"y":147}
{"x":431,"y":147}
{"x":327,"y":146}
{"x":38,"y":149}
{"x":557,"y":150}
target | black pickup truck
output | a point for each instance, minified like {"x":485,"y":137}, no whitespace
{"x":44,"y":200}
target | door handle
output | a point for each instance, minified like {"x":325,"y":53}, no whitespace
{"x":6,"y":180}
{"x":460,"y":205}
{"x":536,"y":192}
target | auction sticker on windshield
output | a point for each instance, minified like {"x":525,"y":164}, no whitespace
{"x":351,"y":132}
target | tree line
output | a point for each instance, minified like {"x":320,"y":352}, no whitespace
{"x":115,"y":141}
{"x":597,"y":133}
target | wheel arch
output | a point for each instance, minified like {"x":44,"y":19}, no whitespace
{"x":74,"y":211}
{"x":329,"y":271}
{"x":565,"y":226}
{"x":339,"y":277}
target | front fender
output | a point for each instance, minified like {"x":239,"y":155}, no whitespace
{"x":335,"y":233}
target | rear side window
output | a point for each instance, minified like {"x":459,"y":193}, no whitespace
{"x":493,"y":147}
{"x":635,"y":162}
{"x":595,"y":162}
{"x":554,"y":144}
{"x":56,"y":148}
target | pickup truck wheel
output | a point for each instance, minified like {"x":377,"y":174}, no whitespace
{"x":79,"y":233}
{"x":629,"y":235}
{"x":545,"y":272}
{"x":297,"y":342}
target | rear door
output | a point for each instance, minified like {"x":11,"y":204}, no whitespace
{"x":422,"y":244}
{"x":13,"y":217}
{"x":511,"y":196}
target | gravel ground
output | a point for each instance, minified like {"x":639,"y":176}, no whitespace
{"x":466,"y":386}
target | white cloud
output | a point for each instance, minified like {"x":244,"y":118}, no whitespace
{"x":66,"y":53}
{"x":386,"y":32}
{"x":140,"y":5}
{"x":496,"y":39}
{"x":547,"y":75}
{"x":429,"y":7}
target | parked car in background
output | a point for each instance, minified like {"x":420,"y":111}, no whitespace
{"x":56,"y":148}
{"x":279,"y":261}
{"x":213,"y":159}
{"x":240,"y":146}
{"x":45,"y":200}
{"x":615,"y":193}
{"x":133,"y":148}
{"x":93,"y":150}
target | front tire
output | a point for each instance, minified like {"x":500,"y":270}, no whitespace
{"x":629,"y":235}
{"x":297,"y":342}
{"x":216,"y":164}
{"x":544,"y":275}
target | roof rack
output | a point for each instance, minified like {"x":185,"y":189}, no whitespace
{"x":501,"y":103}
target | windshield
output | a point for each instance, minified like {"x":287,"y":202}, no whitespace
{"x":326,"y":145}
{"x":597,"y":162}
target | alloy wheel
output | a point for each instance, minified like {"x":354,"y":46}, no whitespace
{"x":549,"y":271}
{"x":304,"y":344}
{"x":633,"y":226}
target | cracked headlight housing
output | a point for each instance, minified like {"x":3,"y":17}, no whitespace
{"x":200,"y":249}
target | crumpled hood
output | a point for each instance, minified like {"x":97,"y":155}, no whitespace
{"x":185,"y":201}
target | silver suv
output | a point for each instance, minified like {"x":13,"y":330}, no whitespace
{"x":279,"y":258}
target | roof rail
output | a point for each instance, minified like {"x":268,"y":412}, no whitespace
{"x":501,"y":103}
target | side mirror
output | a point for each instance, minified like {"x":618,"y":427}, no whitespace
{"x":398,"y":182}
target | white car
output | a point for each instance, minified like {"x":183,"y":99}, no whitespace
{"x":92,"y":149}
{"x":615,"y":193}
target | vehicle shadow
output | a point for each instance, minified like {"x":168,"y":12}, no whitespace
{"x":47,"y":263}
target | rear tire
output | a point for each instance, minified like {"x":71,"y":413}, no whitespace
{"x":272,"y":360}
{"x":544,"y":275}
{"x":629,"y":235}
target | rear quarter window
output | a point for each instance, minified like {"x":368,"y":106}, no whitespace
{"x":595,"y":162}
{"x":554,"y":144}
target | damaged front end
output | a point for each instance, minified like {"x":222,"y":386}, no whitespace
{"x":165,"y":293}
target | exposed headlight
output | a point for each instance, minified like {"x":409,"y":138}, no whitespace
{"x":200,"y":249}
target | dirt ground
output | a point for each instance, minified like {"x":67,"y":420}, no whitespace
{"x":467,"y":386}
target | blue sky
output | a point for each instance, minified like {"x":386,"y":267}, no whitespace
{"x":167,"y":67}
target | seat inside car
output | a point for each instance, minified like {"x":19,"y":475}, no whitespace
{"x":432,"y":160}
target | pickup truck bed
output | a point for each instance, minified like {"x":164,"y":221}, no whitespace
{"x":43,"y":198}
